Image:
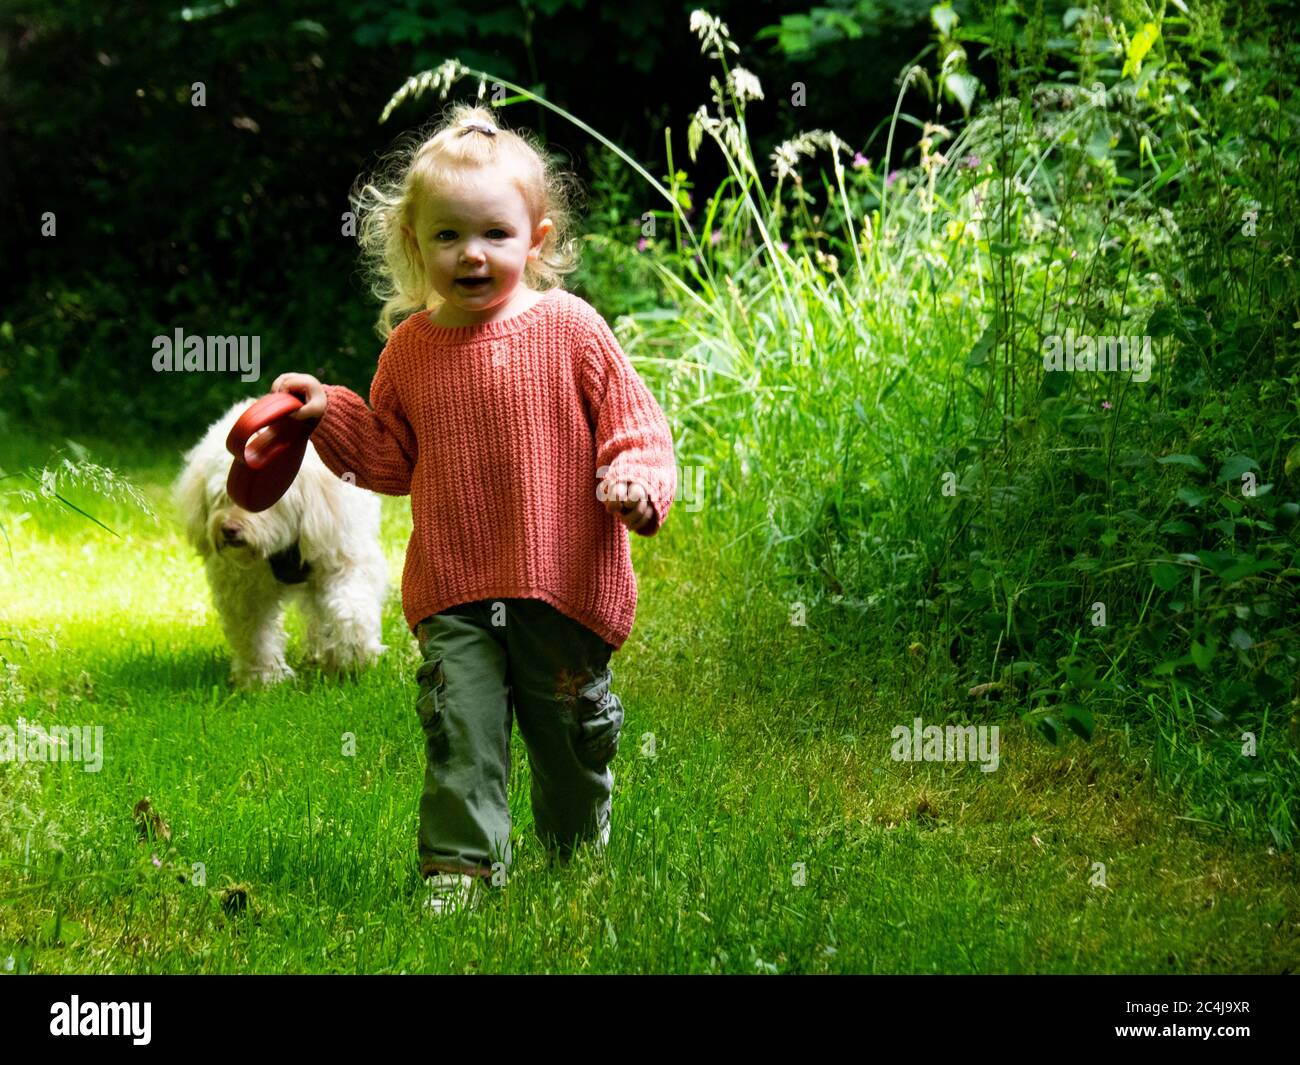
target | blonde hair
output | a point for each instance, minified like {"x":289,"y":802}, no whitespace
{"x":422,"y":161}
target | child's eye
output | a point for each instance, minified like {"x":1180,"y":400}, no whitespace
{"x":445,"y":234}
{"x":498,"y":234}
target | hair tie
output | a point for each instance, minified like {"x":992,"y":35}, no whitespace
{"x":477,"y":127}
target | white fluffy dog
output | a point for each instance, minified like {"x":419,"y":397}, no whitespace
{"x":319,"y":545}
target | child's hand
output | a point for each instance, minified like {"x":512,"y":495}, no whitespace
{"x":303,"y":384}
{"x":626,"y":501}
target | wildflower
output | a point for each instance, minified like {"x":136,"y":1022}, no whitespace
{"x":783,"y":245}
{"x":786,"y":156}
{"x":157,"y":863}
{"x":642,"y":244}
{"x":440,"y":80}
{"x":745,"y":85}
{"x":712,"y":32}
{"x":715,"y":236}
{"x":860,"y":161}
{"x":893,"y":176}
{"x":971,"y":162}
{"x":829,"y":262}
{"x":1105,"y":404}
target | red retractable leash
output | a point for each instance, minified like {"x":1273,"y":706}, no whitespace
{"x":264,"y":469}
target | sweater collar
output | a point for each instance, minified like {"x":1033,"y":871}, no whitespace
{"x":464,"y":334}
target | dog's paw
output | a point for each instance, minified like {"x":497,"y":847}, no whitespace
{"x":250,"y":678}
{"x":348,"y":658}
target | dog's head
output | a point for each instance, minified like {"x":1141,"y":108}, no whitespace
{"x":216,"y":525}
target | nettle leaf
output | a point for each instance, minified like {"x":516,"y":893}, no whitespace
{"x":1247,"y":567}
{"x":1216,"y":561}
{"x":963,"y":88}
{"x":944,"y":18}
{"x":1178,"y":528}
{"x":1166,"y":577}
{"x":1240,"y":639}
{"x":1193,"y":497}
{"x":1203,"y":653}
{"x":1235,"y":466}
{"x":1183,"y":460}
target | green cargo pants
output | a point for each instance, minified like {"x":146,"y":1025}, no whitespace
{"x":485,"y":663}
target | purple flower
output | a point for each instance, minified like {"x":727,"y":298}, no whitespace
{"x":783,"y":245}
{"x":893,"y":176}
{"x":156,"y":862}
{"x":861,"y":161}
{"x":971,"y":161}
{"x":715,"y":236}
{"x":1105,"y":404}
{"x":642,"y":244}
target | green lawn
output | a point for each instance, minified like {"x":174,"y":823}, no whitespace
{"x":772,"y":748}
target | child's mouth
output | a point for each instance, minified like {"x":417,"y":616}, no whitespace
{"x":472,"y":284}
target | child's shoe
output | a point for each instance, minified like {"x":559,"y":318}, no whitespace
{"x":450,"y":892}
{"x":563,"y":856}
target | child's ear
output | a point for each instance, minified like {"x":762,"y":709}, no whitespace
{"x":544,"y":227}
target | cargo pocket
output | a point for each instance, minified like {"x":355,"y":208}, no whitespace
{"x":431,"y":705}
{"x":599,"y":717}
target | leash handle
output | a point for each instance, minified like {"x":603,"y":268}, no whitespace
{"x":270,"y":413}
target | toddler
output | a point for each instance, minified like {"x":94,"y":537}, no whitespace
{"x":507,"y":410}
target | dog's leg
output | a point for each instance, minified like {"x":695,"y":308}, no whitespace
{"x":315,"y":636}
{"x":344,"y":608}
{"x":248,"y":603}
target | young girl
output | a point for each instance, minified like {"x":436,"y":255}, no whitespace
{"x":505,"y":407}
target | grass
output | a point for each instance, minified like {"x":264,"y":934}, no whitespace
{"x":771,"y":748}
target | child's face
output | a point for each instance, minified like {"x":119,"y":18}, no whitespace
{"x":475,"y":240}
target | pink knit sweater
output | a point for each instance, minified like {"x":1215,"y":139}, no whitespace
{"x":497,"y":431}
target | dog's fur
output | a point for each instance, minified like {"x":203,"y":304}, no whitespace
{"x":318,"y":545}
